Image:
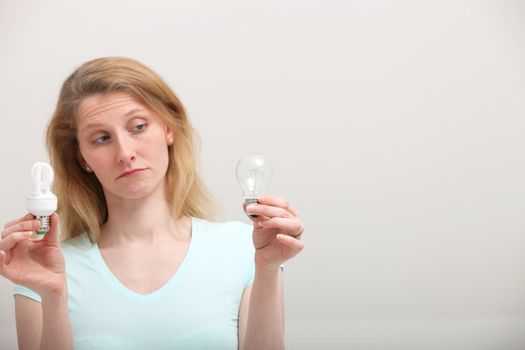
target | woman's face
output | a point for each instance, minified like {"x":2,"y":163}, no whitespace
{"x":124,"y":143}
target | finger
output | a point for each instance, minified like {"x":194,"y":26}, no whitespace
{"x":252,"y":217}
{"x":10,"y":241}
{"x":4,"y":271}
{"x":21,"y":226}
{"x":292,"y":227}
{"x":278,"y":202}
{"x":28,"y":216}
{"x":266,"y":210}
{"x":258,"y":219}
{"x":295,"y":245}
{"x":52,"y":238}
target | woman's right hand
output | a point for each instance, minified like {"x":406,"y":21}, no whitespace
{"x":38,"y":265}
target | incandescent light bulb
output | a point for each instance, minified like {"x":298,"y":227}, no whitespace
{"x":41,"y":202}
{"x":254,"y":173}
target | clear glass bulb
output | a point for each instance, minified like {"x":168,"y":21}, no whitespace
{"x":41,"y":202}
{"x":254,"y":173}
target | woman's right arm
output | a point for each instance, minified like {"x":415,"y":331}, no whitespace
{"x":40,"y":266}
{"x":28,"y":313}
{"x":43,"y":325}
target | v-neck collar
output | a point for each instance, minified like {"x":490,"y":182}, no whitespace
{"x":176,"y":276}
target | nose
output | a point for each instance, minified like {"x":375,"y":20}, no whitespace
{"x":125,"y":150}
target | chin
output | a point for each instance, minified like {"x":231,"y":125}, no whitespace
{"x":135,"y":191}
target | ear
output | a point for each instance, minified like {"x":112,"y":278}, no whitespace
{"x":81,"y":160}
{"x":169,"y":135}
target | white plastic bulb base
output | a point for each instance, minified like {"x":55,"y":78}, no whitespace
{"x":41,"y":207}
{"x":42,"y":202}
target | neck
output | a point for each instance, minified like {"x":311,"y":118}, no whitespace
{"x":145,"y":221}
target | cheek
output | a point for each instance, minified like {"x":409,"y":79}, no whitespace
{"x":155,"y":145}
{"x":97,"y":160}
{"x":162,"y":154}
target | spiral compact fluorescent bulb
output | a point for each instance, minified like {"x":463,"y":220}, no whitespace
{"x":254,"y":173}
{"x":42,"y":202}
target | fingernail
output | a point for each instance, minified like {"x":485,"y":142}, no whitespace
{"x":250,"y":208}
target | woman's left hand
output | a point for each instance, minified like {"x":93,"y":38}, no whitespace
{"x":277,"y":231}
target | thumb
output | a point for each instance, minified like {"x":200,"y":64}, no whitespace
{"x":295,"y":246}
{"x":52,"y":237}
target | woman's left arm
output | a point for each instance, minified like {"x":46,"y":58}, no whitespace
{"x":277,"y":238}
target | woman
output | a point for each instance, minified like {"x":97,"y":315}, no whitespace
{"x":141,"y":264}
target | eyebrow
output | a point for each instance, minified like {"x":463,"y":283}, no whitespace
{"x":97,"y":125}
{"x":134,"y":110}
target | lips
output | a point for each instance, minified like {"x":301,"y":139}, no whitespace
{"x":130,"y":172}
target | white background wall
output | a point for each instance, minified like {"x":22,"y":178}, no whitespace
{"x":396,"y":128}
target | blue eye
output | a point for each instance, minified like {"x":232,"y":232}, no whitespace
{"x":139,"y":127}
{"x":101,"y":139}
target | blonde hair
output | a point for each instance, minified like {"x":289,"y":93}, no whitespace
{"x":81,"y":202}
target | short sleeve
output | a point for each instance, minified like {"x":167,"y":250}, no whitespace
{"x":251,"y":275}
{"x":21,"y":290}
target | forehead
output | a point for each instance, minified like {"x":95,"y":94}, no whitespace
{"x":106,"y":105}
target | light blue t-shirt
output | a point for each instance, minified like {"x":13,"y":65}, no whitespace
{"x":197,"y":309}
